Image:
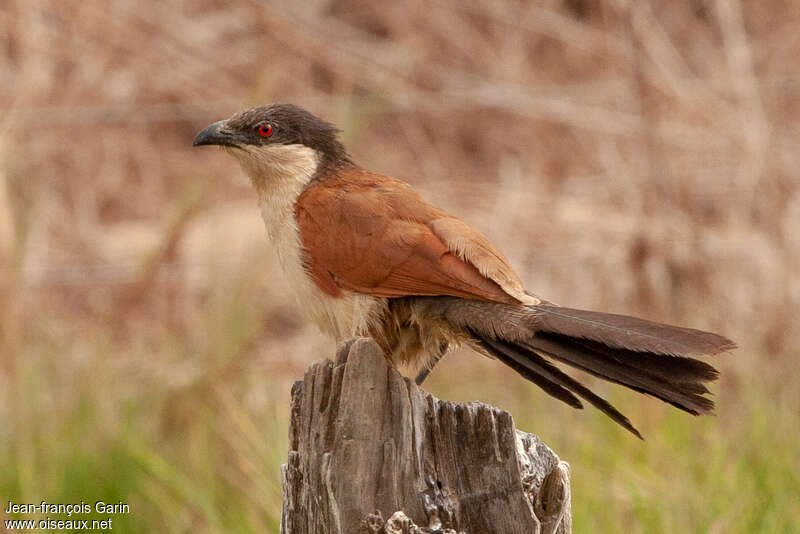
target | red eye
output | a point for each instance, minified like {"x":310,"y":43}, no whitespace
{"x":264,"y":129}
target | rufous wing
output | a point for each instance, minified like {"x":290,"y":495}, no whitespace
{"x":374,"y":235}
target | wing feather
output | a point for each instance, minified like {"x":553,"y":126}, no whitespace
{"x":374,"y":235}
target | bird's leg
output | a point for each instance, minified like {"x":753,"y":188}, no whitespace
{"x":426,"y":370}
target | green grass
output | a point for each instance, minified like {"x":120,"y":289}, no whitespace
{"x":82,"y":422}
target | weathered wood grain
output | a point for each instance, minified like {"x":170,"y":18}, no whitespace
{"x":365,"y":444}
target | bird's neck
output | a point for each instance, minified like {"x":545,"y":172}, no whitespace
{"x":279,"y":173}
{"x":279,"y":178}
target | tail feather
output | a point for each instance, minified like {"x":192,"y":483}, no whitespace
{"x":525,"y":361}
{"x":651,"y":358}
{"x":625,"y":332}
{"x":683,"y":395}
{"x":533,"y":371}
{"x":680,"y":368}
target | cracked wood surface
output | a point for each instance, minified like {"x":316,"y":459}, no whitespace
{"x":365,"y":444}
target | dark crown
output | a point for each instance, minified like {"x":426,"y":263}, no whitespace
{"x":290,"y":125}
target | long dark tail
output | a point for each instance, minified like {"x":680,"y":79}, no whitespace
{"x":648,"y":357}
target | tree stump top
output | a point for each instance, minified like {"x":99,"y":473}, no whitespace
{"x":365,"y":443}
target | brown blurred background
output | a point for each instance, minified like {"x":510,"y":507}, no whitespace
{"x":633,"y":157}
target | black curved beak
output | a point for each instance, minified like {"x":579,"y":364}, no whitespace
{"x":215,"y":134}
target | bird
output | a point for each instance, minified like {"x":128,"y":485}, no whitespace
{"x":366,"y":255}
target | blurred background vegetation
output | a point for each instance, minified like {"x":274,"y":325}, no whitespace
{"x":636,"y":157}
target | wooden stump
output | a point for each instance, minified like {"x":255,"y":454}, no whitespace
{"x":370,"y":452}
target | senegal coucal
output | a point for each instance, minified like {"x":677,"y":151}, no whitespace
{"x":366,"y":255}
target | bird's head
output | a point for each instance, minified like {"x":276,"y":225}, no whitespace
{"x":277,"y":139}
